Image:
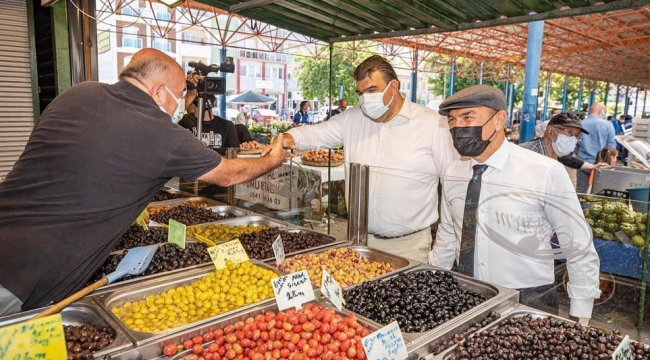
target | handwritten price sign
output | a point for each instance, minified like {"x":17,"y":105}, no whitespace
{"x":232,"y":251}
{"x":176,"y":233}
{"x":278,"y":250}
{"x":623,"y":351}
{"x":38,"y":339}
{"x":386,"y":343}
{"x":293,"y":290}
{"x":331,"y":289}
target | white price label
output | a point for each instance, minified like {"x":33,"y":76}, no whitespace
{"x":386,"y":343}
{"x":278,"y":250}
{"x":293,"y":290}
{"x":331,"y":289}
{"x":623,"y":351}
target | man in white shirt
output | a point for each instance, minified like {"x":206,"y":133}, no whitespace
{"x":243,"y":116}
{"x":408,"y":147}
{"x":502,"y":203}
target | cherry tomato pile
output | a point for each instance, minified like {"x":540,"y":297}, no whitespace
{"x":315,"y":332}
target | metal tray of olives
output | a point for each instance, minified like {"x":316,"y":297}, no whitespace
{"x":142,"y":289}
{"x":398,"y":263}
{"x":255,"y":220}
{"x":173,"y":191}
{"x":491,"y":292}
{"x":83,"y":312}
{"x":427,"y":345}
{"x":327,"y":242}
{"x":222,"y":210}
{"x":154,"y":350}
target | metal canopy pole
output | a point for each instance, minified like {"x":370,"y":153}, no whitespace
{"x":592,"y":98}
{"x":618,"y":93}
{"x":329,"y":167}
{"x":480,"y":73}
{"x":452,"y":76}
{"x":626,"y":108}
{"x":547,"y":89}
{"x":531,"y":80}
{"x":414,"y":77}
{"x":645,"y":97}
{"x":222,"y":98}
{"x":565,"y":92}
{"x":636,"y":101}
{"x":511,"y":103}
{"x":580,"y":88}
{"x":606,"y":94}
{"x":506,"y":83}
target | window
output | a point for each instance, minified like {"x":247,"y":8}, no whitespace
{"x":242,"y":70}
{"x":161,"y":44}
{"x":190,"y":38}
{"x":258,"y":71}
{"x":131,"y":9}
{"x":161,"y":11}
{"x":130,"y":38}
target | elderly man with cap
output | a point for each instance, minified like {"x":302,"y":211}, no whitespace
{"x":501,"y":205}
{"x":559,"y":141}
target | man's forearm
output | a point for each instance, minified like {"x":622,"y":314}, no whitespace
{"x":237,"y":171}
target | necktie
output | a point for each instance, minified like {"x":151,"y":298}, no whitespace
{"x":468,"y":237}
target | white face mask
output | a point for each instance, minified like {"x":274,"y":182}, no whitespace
{"x":372,"y":104}
{"x":178,"y":101}
{"x":564,"y":144}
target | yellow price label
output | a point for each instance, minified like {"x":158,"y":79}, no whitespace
{"x":143,"y":219}
{"x":37,"y":339}
{"x":232,"y":251}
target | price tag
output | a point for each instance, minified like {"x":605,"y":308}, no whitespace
{"x":143,"y":219}
{"x":37,"y":339}
{"x":386,"y":343}
{"x":278,"y":250}
{"x":623,"y":351}
{"x":331,"y":289}
{"x":176,"y":233}
{"x":293,"y":290}
{"x":232,"y":251}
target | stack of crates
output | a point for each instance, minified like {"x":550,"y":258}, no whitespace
{"x":641,"y":129}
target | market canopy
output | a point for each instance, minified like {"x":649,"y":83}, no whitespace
{"x":250,"y":97}
{"x":346,"y":20}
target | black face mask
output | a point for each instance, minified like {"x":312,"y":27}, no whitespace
{"x":468,"y":140}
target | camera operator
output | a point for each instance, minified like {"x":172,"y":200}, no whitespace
{"x":92,"y":163}
{"x":216,"y":132}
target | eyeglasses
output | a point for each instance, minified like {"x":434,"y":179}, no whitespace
{"x":570,"y":131}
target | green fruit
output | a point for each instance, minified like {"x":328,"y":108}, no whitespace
{"x":591,"y":222}
{"x":596,"y":211}
{"x":620,"y":208}
{"x":611,"y":227}
{"x":628,"y":229}
{"x":600,"y":223}
{"x":599,"y":232}
{"x":608,"y":208}
{"x":626,"y":218}
{"x":588,"y":198}
{"x":640,"y":226}
{"x":611,"y":218}
{"x":638,"y":241}
{"x":644,"y":218}
{"x":586,"y":212}
{"x":608,"y":236}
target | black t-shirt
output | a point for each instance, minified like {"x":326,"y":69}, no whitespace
{"x":91,"y":165}
{"x":243,"y":134}
{"x":218,"y":132}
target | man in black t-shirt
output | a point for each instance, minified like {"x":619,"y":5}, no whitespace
{"x":216,"y":132}
{"x":92,"y":164}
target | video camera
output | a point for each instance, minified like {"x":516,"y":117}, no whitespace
{"x":210,"y":85}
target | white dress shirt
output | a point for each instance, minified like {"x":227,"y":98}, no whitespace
{"x":407,"y":155}
{"x":241,"y":119}
{"x":525,"y":197}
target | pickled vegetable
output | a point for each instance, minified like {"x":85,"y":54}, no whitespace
{"x":346,"y":266}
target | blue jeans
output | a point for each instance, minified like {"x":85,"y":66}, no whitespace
{"x":9,"y":303}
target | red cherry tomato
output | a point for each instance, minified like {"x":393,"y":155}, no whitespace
{"x":188,"y":344}
{"x":209,"y":336}
{"x":197,"y":340}
{"x":197,"y":349}
{"x":170,"y":349}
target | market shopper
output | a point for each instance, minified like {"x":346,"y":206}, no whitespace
{"x":407,"y":146}
{"x":215,"y":131}
{"x":501,"y":205}
{"x":302,"y":116}
{"x":559,"y":141}
{"x":600,"y":135}
{"x":92,"y":164}
{"x":343,"y":105}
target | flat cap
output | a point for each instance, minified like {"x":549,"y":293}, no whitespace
{"x":474,"y":96}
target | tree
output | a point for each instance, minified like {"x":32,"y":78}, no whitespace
{"x":313,"y":75}
{"x":467,"y":74}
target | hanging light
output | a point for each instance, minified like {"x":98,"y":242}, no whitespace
{"x":172,"y":3}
